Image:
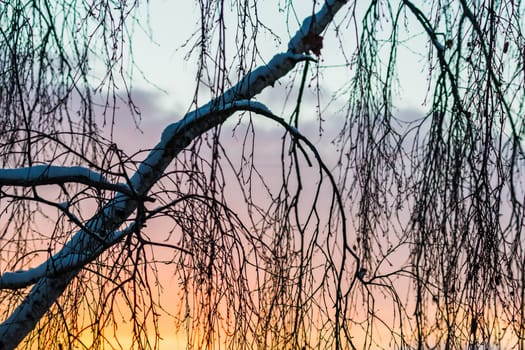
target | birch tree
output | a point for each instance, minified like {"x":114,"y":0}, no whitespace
{"x":410,"y":236}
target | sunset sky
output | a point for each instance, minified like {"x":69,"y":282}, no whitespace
{"x":178,"y":175}
{"x":223,"y":174}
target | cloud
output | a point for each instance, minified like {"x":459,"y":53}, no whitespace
{"x":135,"y":128}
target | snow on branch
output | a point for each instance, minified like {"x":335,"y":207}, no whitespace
{"x":195,"y":123}
{"x":60,"y":263}
{"x":81,"y":250}
{"x":303,"y":42}
{"x":56,"y":175}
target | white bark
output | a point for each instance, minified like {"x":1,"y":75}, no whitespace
{"x":174,"y":139}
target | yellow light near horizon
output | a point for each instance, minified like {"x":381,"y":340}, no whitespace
{"x":122,"y":339}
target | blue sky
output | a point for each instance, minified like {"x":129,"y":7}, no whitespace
{"x":171,"y":23}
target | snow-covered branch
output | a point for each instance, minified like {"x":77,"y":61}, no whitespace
{"x":38,"y":175}
{"x":77,"y":253}
{"x":62,"y":262}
